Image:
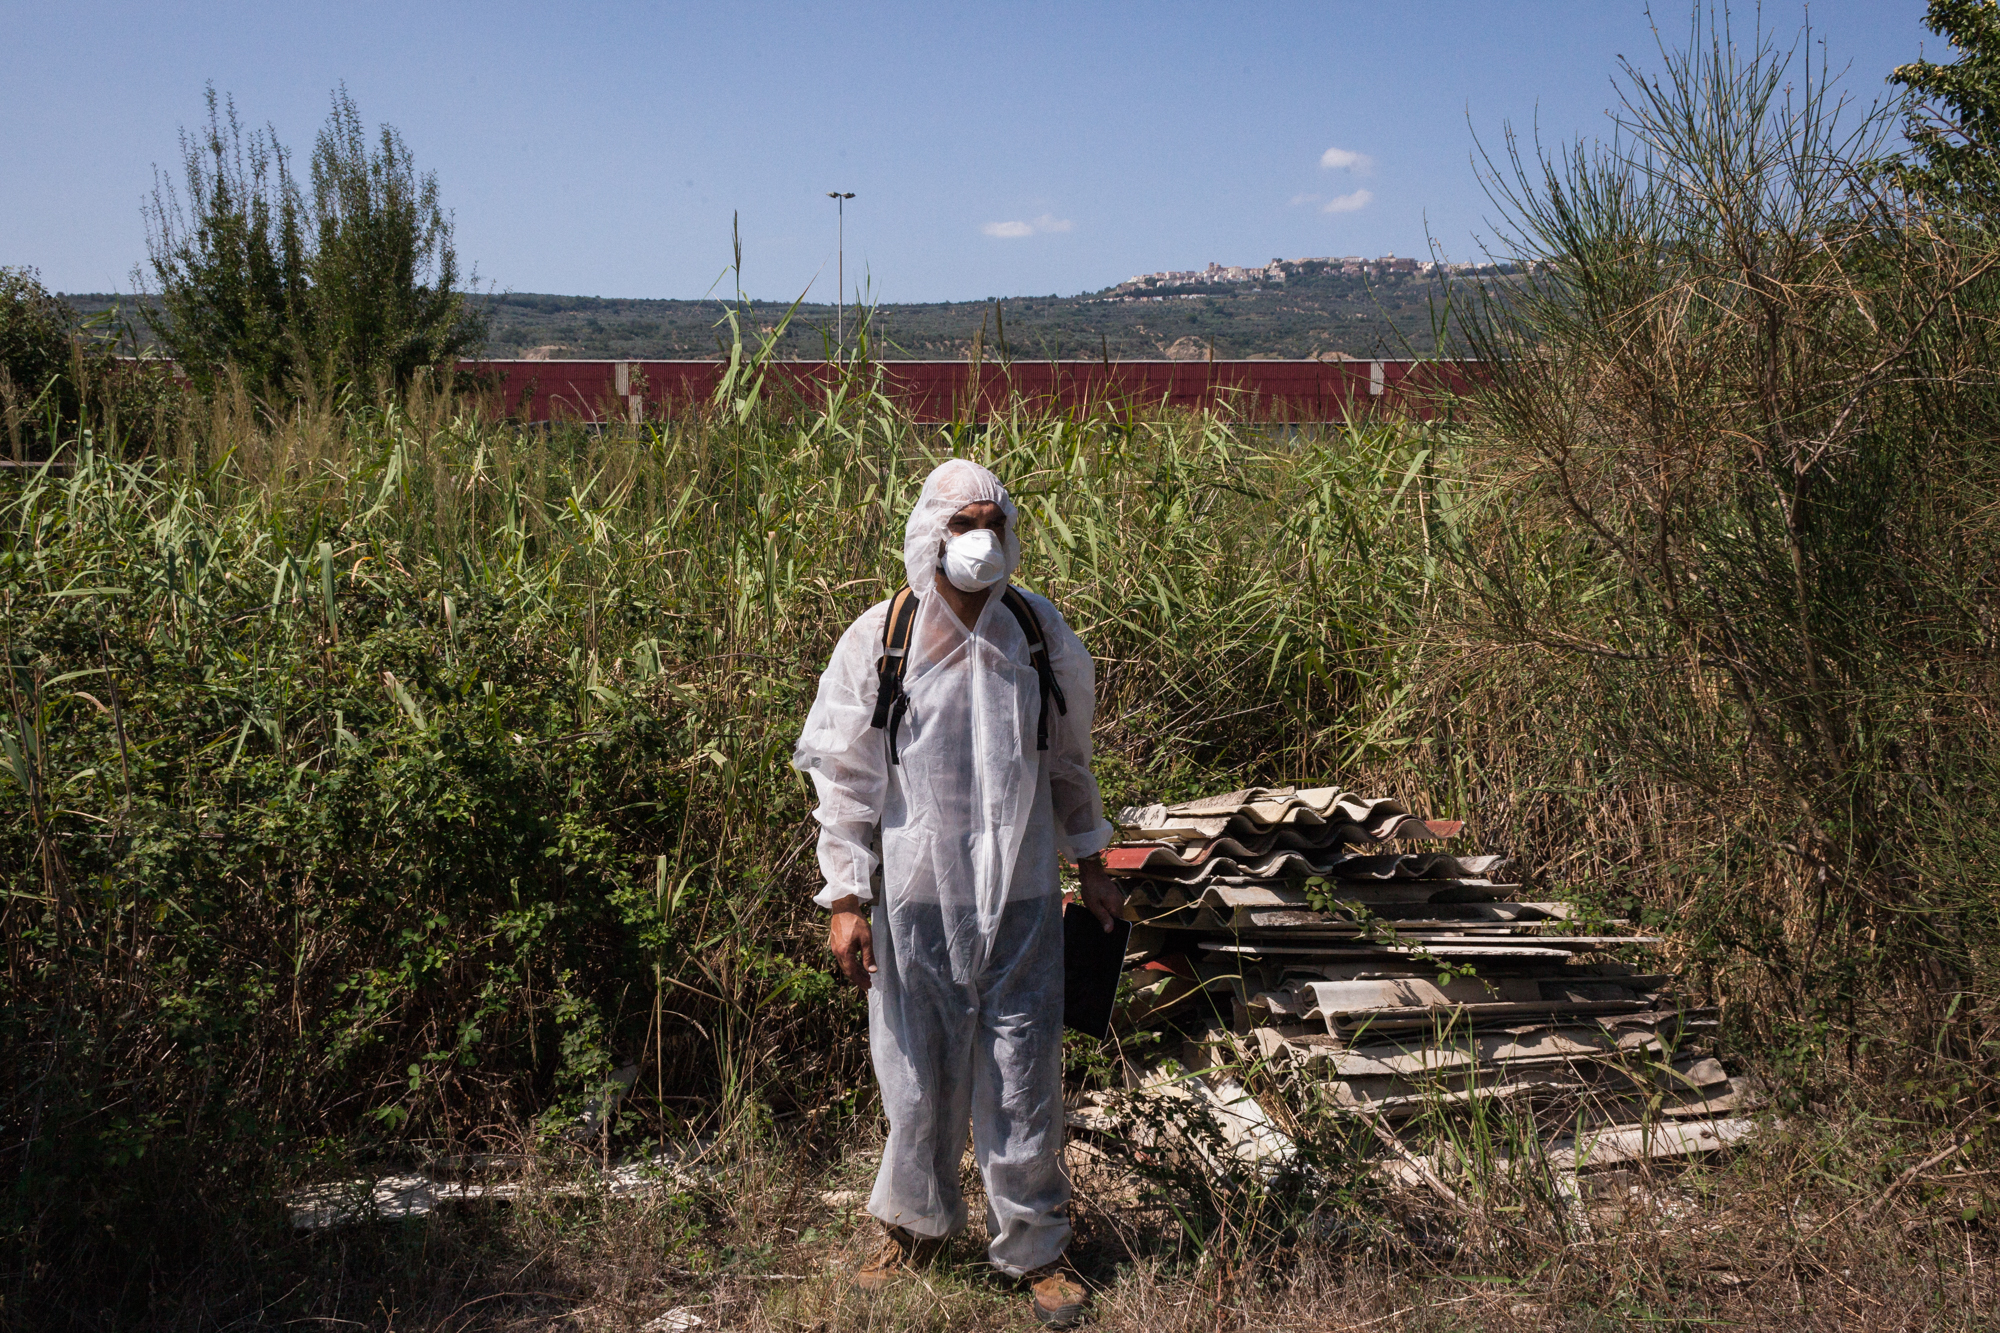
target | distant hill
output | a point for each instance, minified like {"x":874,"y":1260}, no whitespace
{"x":1291,"y":309}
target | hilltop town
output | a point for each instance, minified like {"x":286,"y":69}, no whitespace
{"x":1279,"y":271}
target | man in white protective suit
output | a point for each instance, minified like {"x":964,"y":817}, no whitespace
{"x":939,"y":839}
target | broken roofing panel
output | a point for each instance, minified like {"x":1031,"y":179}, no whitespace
{"x":1396,"y":982}
{"x":1149,"y":895}
{"x":1226,"y":856}
{"x":1602,"y":1146}
{"x":1258,"y":810}
{"x":1270,"y":805}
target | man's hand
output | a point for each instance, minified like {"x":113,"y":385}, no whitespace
{"x":1101,"y":894}
{"x":852,"y":940}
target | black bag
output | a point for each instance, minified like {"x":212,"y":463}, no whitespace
{"x":1093,"y":960}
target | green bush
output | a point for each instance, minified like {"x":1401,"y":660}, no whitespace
{"x":56,"y":370}
{"x":1953,"y":120}
{"x":37,"y":332}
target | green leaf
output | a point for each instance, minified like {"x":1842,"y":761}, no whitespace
{"x":17,"y":763}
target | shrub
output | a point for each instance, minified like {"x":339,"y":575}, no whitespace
{"x":55,"y":371}
{"x":37,"y":332}
{"x":1953,"y":123}
{"x":1742,"y":408}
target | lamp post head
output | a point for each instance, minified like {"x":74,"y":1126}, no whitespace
{"x":835,"y":194}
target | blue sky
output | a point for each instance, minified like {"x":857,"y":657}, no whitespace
{"x":995,"y":150}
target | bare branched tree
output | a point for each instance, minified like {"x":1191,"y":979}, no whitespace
{"x":1745,"y":396}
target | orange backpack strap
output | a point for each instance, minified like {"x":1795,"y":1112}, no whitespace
{"x":890,"y":701}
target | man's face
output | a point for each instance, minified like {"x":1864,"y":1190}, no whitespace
{"x":978,"y":514}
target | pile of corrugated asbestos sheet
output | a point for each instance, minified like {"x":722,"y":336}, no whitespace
{"x":1317,"y":934}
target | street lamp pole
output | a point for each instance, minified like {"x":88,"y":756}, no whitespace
{"x":840,"y":272}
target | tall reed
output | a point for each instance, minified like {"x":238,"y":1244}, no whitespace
{"x":384,"y":774}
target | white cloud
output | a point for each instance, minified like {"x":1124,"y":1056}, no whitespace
{"x":1341,"y":159}
{"x":1348,"y":203}
{"x":1300,"y":200}
{"x":1012,"y":231}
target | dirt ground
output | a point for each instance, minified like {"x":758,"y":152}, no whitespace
{"x":1784,"y":1235}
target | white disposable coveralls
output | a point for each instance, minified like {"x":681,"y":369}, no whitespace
{"x":965,"y":1011}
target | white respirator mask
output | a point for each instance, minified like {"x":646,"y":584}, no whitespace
{"x":974,"y":560}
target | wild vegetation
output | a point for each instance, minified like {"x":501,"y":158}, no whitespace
{"x":1744,"y":414}
{"x":378,"y":778}
{"x":61,"y":375}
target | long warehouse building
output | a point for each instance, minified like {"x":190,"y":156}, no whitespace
{"x":947,"y":391}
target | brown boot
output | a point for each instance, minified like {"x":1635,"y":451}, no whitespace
{"x":900,"y":1254}
{"x":1058,"y":1297}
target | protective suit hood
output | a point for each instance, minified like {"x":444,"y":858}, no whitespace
{"x":952,"y":486}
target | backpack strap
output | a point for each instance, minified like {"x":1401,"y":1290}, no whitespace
{"x":1038,"y":653}
{"x":890,"y":701}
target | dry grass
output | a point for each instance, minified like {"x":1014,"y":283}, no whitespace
{"x":1827,"y":1227}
